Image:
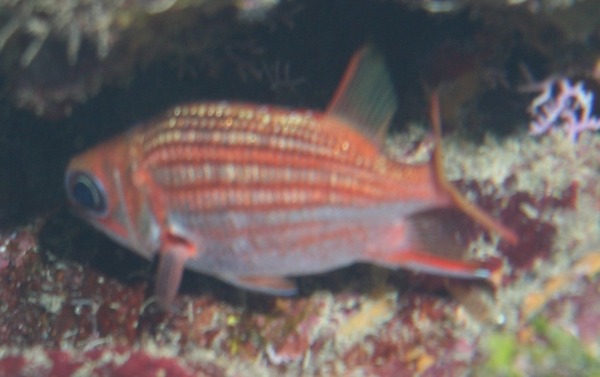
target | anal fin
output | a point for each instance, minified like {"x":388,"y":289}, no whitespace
{"x":273,"y":285}
{"x":425,"y":262}
{"x":432,"y":244}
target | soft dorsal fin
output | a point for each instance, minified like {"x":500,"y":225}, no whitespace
{"x":365,"y":97}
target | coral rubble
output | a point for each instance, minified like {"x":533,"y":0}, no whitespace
{"x":74,"y":72}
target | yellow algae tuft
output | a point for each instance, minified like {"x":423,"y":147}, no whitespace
{"x":536,"y":300}
{"x":367,"y":320}
{"x":424,"y":362}
{"x":476,"y":300}
{"x":420,"y":358}
{"x":232,"y":320}
{"x":588,"y":265}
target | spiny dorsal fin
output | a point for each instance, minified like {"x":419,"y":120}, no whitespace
{"x":365,"y":97}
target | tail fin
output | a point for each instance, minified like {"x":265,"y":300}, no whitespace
{"x":470,"y":209}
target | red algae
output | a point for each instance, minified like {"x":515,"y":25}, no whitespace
{"x":12,"y":365}
{"x":140,"y":364}
{"x":114,"y":362}
{"x":536,"y":242}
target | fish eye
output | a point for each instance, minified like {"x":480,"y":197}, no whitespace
{"x":87,"y":192}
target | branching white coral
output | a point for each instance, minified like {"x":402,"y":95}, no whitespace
{"x":70,"y":21}
{"x":563,"y":105}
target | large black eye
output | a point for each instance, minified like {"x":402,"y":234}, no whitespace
{"x":87,"y":192}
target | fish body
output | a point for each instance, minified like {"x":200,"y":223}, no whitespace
{"x":252,"y":194}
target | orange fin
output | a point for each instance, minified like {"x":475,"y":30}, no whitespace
{"x":438,"y":231}
{"x":174,"y":253}
{"x":273,"y":285}
{"x":365,"y":97}
{"x":434,"y":246}
{"x":470,"y":209}
{"x":425,"y":262}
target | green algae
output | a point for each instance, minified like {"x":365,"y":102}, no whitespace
{"x":552,"y":352}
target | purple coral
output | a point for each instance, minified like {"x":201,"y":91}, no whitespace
{"x":563,"y":105}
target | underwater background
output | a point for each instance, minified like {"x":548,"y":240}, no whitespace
{"x":516,"y":79}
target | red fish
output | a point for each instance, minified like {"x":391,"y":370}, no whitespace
{"x":253,"y":194}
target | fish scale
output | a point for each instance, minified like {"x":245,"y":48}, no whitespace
{"x":304,"y":133}
{"x":225,"y":162}
{"x":340,"y":238}
{"x":188,"y":176}
{"x":253,"y":194}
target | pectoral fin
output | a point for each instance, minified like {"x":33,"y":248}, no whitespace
{"x":272,"y":285}
{"x":173,"y":255}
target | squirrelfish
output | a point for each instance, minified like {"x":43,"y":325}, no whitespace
{"x":255,"y":194}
